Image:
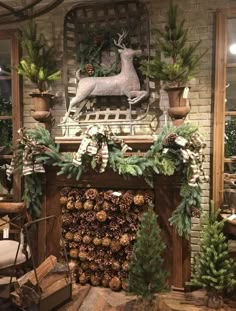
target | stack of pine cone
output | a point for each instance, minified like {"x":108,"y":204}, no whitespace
{"x":99,"y":228}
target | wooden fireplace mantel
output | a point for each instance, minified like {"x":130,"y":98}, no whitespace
{"x":167,"y":198}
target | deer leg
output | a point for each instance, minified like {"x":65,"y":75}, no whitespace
{"x":79,"y":97}
{"x":136,"y":96}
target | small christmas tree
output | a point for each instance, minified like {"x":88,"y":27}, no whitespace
{"x":176,"y":61}
{"x":146,"y":273}
{"x":213,"y":269}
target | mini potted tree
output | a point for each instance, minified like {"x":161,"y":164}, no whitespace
{"x":174,"y":64}
{"x":39,"y":65}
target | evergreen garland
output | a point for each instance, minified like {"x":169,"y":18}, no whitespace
{"x":159,"y":159}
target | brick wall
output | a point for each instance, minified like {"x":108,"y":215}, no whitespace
{"x":200,"y":20}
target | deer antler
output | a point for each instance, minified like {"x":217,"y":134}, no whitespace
{"x":121,"y":36}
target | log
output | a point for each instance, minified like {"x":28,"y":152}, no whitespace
{"x":12,"y":207}
{"x":30,"y":278}
{"x":50,"y":279}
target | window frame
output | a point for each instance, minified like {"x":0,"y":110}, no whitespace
{"x":222,"y":15}
{"x":12,"y":35}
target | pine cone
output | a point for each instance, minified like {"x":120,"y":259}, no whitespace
{"x":95,"y":280}
{"x":90,"y":216}
{"x":63,"y":200}
{"x":91,"y":194}
{"x":73,"y":245}
{"x":139,"y":199}
{"x":101,"y":216}
{"x":87,"y":239}
{"x":78,"y":205}
{"x":125,"y":266}
{"x":64,"y":191}
{"x":126,"y":200}
{"x":83,"y":279}
{"x":106,"y":242}
{"x":115,"y":246}
{"x":73,"y":192}
{"x":149,"y":196}
{"x":69,"y":236}
{"x":70,"y":205}
{"x":124,"y":240}
{"x":74,"y":253}
{"x":93,"y":266}
{"x":108,"y":195}
{"x":83,"y":255}
{"x":115,"y":283}
{"x":195,"y":212}
{"x":89,"y":69}
{"x":84,"y":265}
{"x":97,"y":241}
{"x":169,"y":141}
{"x":100,"y":198}
{"x":88,"y":205}
{"x":106,"y":206}
{"x":115,"y":265}
{"x":67,"y":219}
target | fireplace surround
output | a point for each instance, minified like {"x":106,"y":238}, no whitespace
{"x":167,"y":198}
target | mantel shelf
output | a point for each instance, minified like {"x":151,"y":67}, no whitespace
{"x":138,"y":142}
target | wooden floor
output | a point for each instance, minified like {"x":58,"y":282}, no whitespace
{"x":87,"y":298}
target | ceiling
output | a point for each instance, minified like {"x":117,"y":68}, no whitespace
{"x":19,"y":10}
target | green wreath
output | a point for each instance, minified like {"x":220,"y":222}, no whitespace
{"x":92,"y":45}
{"x":176,"y":149}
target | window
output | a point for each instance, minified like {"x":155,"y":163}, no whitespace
{"x":10,"y":112}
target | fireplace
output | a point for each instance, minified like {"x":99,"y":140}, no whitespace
{"x":166,"y":199}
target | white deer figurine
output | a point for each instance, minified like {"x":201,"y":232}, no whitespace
{"x":125,"y":83}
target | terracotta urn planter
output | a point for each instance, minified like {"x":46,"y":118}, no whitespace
{"x":42,"y":103}
{"x":178,"y":107}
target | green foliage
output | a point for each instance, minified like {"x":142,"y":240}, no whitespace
{"x":5,"y":125}
{"x":33,"y":194}
{"x":213,"y":268}
{"x":176,"y":61}
{"x":230,"y":137}
{"x":157,"y":160}
{"x":146,"y":273}
{"x":191,"y":197}
{"x":94,"y":43}
{"x":39,"y":63}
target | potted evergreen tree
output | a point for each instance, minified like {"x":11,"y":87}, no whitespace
{"x":39,"y":65}
{"x":174,"y":64}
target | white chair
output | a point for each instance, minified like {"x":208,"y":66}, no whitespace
{"x":14,"y":252}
